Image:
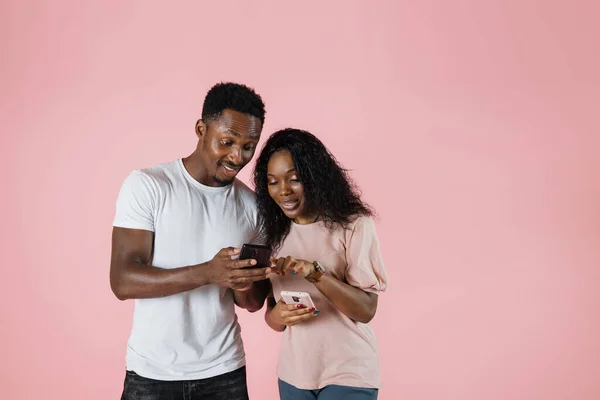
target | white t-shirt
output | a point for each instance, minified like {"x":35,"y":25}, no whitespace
{"x":195,"y":334}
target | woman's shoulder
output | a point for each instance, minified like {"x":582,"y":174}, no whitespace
{"x":359,"y":225}
{"x":362,"y":222}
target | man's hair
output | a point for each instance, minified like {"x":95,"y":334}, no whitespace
{"x":328,"y":190}
{"x":233,"y":96}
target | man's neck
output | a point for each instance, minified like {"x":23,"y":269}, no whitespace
{"x":194,"y":166}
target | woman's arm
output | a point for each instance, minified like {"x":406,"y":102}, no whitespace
{"x":270,"y":316}
{"x":353,"y":302}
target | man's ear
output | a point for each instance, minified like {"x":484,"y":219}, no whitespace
{"x":200,"y":129}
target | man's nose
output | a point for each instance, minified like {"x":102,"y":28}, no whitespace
{"x":236,"y":156}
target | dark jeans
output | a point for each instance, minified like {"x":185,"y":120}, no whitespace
{"x":229,"y":386}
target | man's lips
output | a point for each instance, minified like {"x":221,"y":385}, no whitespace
{"x":230,"y":169}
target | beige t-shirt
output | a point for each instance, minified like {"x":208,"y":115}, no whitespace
{"x":331,"y":348}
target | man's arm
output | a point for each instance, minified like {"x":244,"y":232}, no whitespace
{"x":132,"y":276}
{"x":253,"y":298}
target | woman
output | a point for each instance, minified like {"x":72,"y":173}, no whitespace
{"x":326,"y":244}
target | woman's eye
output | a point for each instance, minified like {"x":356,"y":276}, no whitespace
{"x":272,"y":183}
{"x":249,"y":148}
{"x":295,"y":180}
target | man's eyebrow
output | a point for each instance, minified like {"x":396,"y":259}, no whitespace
{"x":253,"y":136}
{"x":232,"y":132}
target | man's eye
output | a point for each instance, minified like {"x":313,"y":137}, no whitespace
{"x":249,"y":148}
{"x":226,"y":143}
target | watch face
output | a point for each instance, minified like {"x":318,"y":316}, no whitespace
{"x":318,"y":266}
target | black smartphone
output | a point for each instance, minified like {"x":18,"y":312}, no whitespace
{"x":260,"y":253}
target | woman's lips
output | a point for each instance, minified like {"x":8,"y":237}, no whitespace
{"x":289,"y":205}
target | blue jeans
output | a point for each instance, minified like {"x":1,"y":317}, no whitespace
{"x":229,"y":386}
{"x":329,"y":392}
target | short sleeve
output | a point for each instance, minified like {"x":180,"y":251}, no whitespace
{"x":258,"y":237}
{"x":256,"y":234}
{"x":363,"y":255}
{"x":136,"y":203}
{"x":255,"y":231}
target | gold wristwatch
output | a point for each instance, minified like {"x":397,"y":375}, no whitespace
{"x":316,"y":273}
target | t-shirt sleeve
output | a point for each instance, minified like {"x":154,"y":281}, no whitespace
{"x":136,"y":203}
{"x":258,"y":237}
{"x":365,"y":264}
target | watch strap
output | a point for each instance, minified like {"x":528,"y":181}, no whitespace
{"x":316,"y":273}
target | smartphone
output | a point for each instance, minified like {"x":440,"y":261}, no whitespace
{"x":297,"y":298}
{"x":260,"y":253}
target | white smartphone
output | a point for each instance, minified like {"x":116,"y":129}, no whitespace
{"x":297,"y":298}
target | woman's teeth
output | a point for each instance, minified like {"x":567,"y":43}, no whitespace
{"x":289,"y":204}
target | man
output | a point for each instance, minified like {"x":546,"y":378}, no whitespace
{"x":176,"y":237}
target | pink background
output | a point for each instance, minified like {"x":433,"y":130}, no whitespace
{"x":472,"y":126}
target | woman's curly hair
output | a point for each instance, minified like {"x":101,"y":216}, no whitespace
{"x":328,"y":190}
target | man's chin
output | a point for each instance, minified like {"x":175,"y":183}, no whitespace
{"x":223,"y":181}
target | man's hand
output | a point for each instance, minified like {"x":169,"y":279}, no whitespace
{"x":226,"y":270}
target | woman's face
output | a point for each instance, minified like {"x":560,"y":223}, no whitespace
{"x":285,"y":187}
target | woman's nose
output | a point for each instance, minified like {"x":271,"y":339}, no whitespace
{"x":285,"y":189}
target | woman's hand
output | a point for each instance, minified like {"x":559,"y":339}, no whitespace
{"x":283,"y":265}
{"x":351,"y":301}
{"x":291,"y":314}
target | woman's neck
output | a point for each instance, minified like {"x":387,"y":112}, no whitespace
{"x":305,"y":220}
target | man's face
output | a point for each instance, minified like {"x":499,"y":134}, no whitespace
{"x":227,"y":144}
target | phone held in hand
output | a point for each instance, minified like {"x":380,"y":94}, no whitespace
{"x":260,"y":253}
{"x":297,"y":298}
